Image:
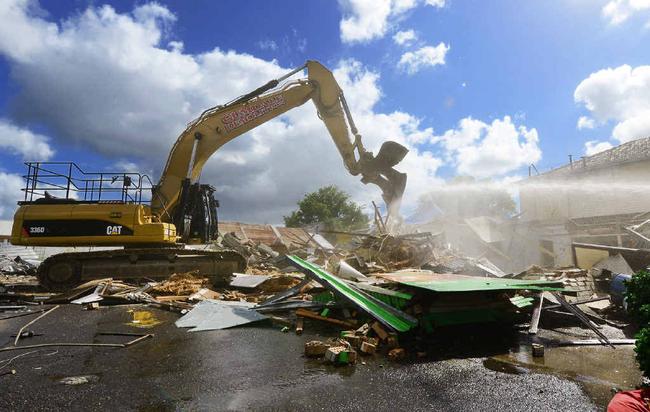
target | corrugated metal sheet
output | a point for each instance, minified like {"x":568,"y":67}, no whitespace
{"x":442,"y":282}
{"x":270,"y":235}
{"x":214,"y":315}
{"x":384,"y":313}
{"x":248,"y":281}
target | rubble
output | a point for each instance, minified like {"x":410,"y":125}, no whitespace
{"x":16,"y":266}
{"x":316,"y":348}
{"x":181,"y":284}
{"x":343,"y":354}
{"x":368,"y":348}
{"x":376,"y":291}
{"x":397,"y":354}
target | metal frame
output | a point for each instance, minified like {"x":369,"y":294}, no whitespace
{"x":66,"y":180}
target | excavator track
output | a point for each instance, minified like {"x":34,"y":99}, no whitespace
{"x":67,"y":270}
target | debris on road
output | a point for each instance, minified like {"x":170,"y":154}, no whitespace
{"x":31,"y":322}
{"x":180,"y":284}
{"x":16,"y":266}
{"x":316,"y":348}
{"x":378,"y":292}
{"x":76,"y":344}
{"x":214,"y":315}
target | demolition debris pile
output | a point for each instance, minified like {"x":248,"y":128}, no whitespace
{"x":381,"y":292}
{"x":16,"y":266}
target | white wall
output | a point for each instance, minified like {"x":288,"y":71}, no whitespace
{"x":616,"y":190}
{"x":5,"y":227}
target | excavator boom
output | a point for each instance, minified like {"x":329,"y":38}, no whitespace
{"x":221,"y":124}
{"x":182,"y":210}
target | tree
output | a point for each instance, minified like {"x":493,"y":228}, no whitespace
{"x":330,"y":207}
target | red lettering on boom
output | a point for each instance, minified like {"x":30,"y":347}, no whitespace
{"x":250,"y":112}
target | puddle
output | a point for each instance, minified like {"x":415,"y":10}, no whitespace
{"x":78,"y":380}
{"x":505,"y":367}
{"x":143,"y":319}
{"x":598,"y":369}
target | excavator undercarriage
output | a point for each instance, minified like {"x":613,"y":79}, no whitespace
{"x":65,"y":270}
{"x":108,"y":210}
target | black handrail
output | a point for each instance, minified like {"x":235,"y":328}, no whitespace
{"x":74,"y":183}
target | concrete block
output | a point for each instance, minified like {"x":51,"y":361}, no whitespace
{"x":341,"y":355}
{"x":364,"y":329}
{"x":316,"y":348}
{"x":397,"y":354}
{"x":538,"y":350}
{"x":379,"y":330}
{"x":92,"y":305}
{"x":299,"y":326}
{"x":368,"y":348}
{"x":332,"y":353}
{"x":353,"y":340}
{"x":392,"y":341}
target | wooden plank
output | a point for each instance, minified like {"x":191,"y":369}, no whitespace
{"x":589,"y":342}
{"x":534,"y":323}
{"x":582,"y":317}
{"x":312,"y":315}
{"x":170,"y":298}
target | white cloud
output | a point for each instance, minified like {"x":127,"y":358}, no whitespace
{"x":267,"y":45}
{"x":428,"y":56}
{"x":592,"y":147}
{"x":486,"y":150}
{"x":633,"y":128}
{"x":618,"y":11}
{"x":22,"y":142}
{"x":621,"y":95}
{"x":10,"y":193}
{"x":365,"y":20}
{"x":109,"y":82}
{"x":405,"y":38}
{"x":585,"y":122}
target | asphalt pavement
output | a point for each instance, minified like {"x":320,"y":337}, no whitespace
{"x":255,"y":367}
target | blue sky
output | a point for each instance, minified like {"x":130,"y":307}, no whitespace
{"x":483,"y":88}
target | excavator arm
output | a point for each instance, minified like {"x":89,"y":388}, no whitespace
{"x":219,"y":125}
{"x":182,"y":210}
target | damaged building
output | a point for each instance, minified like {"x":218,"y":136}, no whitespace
{"x":598,"y":199}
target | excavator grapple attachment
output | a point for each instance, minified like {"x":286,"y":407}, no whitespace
{"x":390,"y":154}
{"x":379,"y":170}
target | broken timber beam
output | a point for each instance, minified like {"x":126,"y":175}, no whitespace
{"x":582,"y":317}
{"x":313,"y":315}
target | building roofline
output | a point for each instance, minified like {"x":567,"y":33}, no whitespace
{"x":629,"y":152}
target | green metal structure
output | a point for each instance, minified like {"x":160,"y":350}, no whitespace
{"x":384,"y":313}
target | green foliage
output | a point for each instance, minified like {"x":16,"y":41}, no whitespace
{"x":642,"y":350}
{"x":330,"y":207}
{"x":637,"y":295}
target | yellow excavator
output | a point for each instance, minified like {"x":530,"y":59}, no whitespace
{"x":181,"y":210}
